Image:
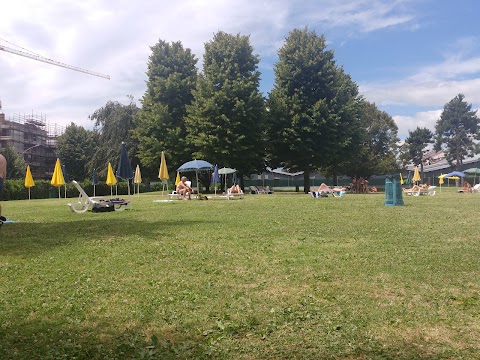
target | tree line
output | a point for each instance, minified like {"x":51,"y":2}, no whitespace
{"x":314,"y":118}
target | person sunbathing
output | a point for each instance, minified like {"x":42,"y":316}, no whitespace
{"x":183,"y":189}
{"x":412,"y":189}
{"x":467,"y":187}
{"x":235,"y":189}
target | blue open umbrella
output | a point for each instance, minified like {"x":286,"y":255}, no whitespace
{"x":454,"y":173}
{"x":195,"y":165}
{"x":65,"y":177}
{"x":124,"y":169}
{"x":215,"y":178}
{"x":94,"y":180}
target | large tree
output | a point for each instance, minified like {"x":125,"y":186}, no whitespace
{"x":160,"y":124}
{"x":456,"y":131}
{"x":416,"y":143}
{"x":225,"y":122}
{"x":374,"y":149}
{"x":313,"y":107}
{"x":113,"y":125}
{"x":75,"y":148}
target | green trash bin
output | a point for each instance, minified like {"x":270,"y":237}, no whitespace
{"x":393,"y":192}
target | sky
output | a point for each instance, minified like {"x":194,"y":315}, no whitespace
{"x":409,"y":57}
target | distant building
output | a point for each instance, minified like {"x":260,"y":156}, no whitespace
{"x":32,"y":138}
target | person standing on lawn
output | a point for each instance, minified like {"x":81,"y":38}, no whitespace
{"x":3,"y":176}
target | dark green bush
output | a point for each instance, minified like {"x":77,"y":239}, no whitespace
{"x":15,"y":190}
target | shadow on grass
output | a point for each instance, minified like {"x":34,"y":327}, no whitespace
{"x":31,"y":239}
{"x":60,"y":340}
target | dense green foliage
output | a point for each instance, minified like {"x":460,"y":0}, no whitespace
{"x":373,"y":148}
{"x":15,"y":189}
{"x":113,"y":125}
{"x":416,"y":142}
{"x":160,"y":124}
{"x":456,"y":129}
{"x":261,"y":278}
{"x":225,"y":121}
{"x":16,"y":166}
{"x":75,"y":148}
{"x":313,"y":108}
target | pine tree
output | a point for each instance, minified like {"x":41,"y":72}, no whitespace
{"x":456,"y":129}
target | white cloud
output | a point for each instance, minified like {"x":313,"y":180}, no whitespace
{"x":421,"y":119}
{"x":115,"y":39}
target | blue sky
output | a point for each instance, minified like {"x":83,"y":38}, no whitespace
{"x":410,"y":57}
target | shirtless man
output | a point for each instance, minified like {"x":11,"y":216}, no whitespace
{"x":3,"y":176}
{"x":183,"y":189}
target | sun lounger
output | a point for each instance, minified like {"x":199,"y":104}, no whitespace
{"x":260,"y":190}
{"x":85,"y":202}
{"x":231,"y":195}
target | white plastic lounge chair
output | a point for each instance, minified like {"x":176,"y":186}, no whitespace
{"x":414,"y":191}
{"x":174,"y":195}
{"x":253,"y":189}
{"x":476,"y":188}
{"x":231,"y":195}
{"x":431,"y":191}
{"x":86,"y":202}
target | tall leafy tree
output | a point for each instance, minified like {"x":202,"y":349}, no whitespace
{"x":374,"y":149}
{"x":313,"y":107}
{"x":113,"y":125}
{"x":416,"y":142}
{"x":456,"y":130}
{"x":75,"y":147}
{"x":16,"y":165}
{"x":225,"y":122}
{"x":160,"y":124}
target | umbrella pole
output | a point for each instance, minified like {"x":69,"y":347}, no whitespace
{"x":93,"y":190}
{"x":59,"y":192}
{"x":111,"y":191}
{"x":28,"y":193}
{"x":198,"y":187}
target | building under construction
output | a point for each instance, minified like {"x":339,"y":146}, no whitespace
{"x":34,"y":139}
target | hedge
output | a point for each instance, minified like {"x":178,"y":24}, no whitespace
{"x":15,"y":189}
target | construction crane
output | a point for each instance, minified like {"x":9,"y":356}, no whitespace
{"x":53,"y":62}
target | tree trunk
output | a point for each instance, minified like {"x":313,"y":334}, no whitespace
{"x":306,"y":181}
{"x":421,"y":171}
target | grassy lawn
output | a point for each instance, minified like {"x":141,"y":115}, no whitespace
{"x":267,"y":277}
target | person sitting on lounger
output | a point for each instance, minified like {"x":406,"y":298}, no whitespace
{"x":183,"y":189}
{"x":235,"y":189}
{"x":467,"y":187}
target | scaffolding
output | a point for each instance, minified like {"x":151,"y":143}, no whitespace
{"x":34,"y":139}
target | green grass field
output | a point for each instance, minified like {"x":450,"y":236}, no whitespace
{"x":267,"y":277}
